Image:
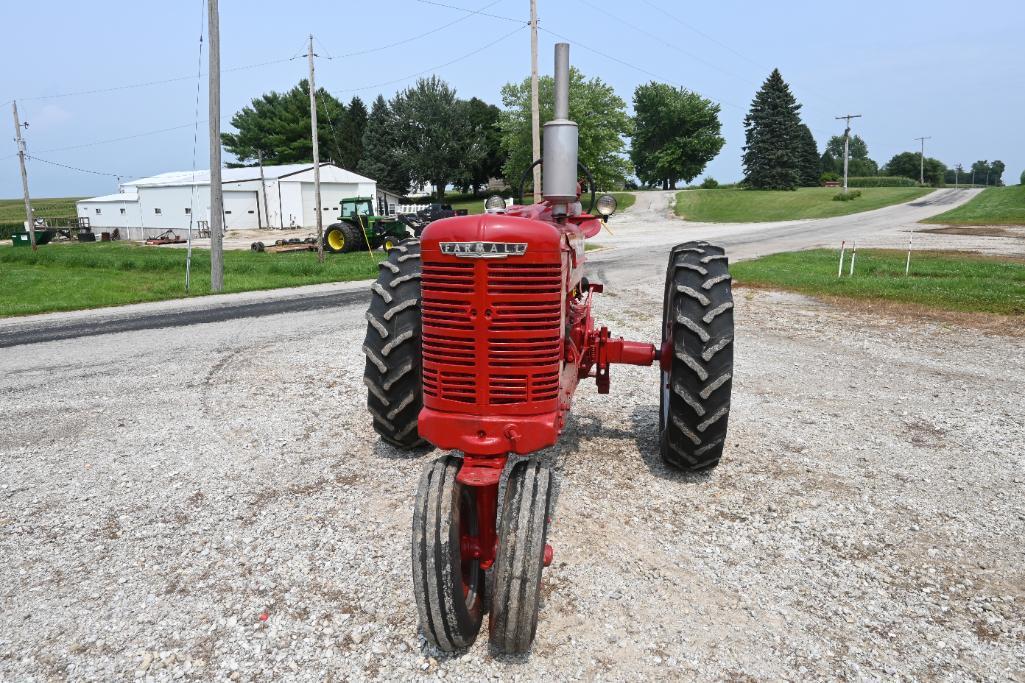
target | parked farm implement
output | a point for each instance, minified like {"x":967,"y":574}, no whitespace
{"x":478,"y":335}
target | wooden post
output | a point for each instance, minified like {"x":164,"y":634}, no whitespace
{"x":216,"y":188}
{"x":316,"y":156}
{"x":29,"y":217}
{"x":263,"y":189}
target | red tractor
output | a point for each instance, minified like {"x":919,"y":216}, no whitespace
{"x":478,"y":334}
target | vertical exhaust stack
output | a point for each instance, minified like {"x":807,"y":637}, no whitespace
{"x":559,"y":182}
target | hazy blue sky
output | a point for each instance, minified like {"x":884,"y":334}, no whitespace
{"x":951,"y":70}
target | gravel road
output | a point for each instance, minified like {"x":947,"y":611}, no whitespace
{"x":218,"y":508}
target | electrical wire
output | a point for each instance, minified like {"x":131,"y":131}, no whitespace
{"x":479,"y":12}
{"x":75,"y":168}
{"x":668,"y":44}
{"x":145,"y":84}
{"x":439,"y":66}
{"x":120,"y":139}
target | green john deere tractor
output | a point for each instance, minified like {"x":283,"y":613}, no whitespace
{"x":359,"y":228}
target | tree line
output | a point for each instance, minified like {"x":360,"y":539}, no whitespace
{"x":781,"y":153}
{"x":426,"y":134}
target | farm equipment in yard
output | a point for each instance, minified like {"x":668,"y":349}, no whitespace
{"x":289,"y":246}
{"x":359,"y":228}
{"x":478,"y":333}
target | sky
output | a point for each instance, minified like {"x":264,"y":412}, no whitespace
{"x":953,"y":71}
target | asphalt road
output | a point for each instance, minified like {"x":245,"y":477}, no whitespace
{"x":636,"y":251}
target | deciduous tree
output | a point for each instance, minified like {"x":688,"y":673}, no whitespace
{"x":676,"y":133}
{"x":433,"y":137}
{"x":475,"y":173}
{"x":907,"y":164}
{"x":593,"y":104}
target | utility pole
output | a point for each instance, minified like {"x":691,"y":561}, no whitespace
{"x":921,"y":170}
{"x":263,"y":188}
{"x":29,"y":218}
{"x":535,"y":115}
{"x":316,"y":156}
{"x":846,"y":144}
{"x":216,"y":188}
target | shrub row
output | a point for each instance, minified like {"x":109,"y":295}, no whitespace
{"x":881,"y":181}
{"x":846,"y":196}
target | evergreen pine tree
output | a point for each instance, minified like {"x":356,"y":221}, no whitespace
{"x":809,"y":158}
{"x":772,"y":155}
{"x":381,"y":160}
{"x":350,"y":134}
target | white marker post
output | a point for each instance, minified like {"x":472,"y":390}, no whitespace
{"x":839,"y":270}
{"x":854,"y":255}
{"x":907,"y":266}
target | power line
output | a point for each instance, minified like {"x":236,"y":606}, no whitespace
{"x":439,"y":66}
{"x":145,"y":84}
{"x":75,"y":168}
{"x":673,"y":46}
{"x":479,"y":12}
{"x":379,"y":48}
{"x":120,"y":139}
{"x":699,"y":32}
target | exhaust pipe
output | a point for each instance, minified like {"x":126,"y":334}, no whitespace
{"x":559,"y":182}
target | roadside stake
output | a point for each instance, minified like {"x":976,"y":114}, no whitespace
{"x":839,"y":271}
{"x":907,"y":266}
{"x":854,"y":255}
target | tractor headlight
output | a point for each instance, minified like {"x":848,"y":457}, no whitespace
{"x":494,"y":203}
{"x":606,"y":205}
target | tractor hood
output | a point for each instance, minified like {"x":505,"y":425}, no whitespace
{"x":490,"y":236}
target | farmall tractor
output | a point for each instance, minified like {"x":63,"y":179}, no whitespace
{"x":478,"y":334}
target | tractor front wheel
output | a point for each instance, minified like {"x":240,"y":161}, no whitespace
{"x":697,"y":328}
{"x":522,"y":533}
{"x":449,"y":587}
{"x":394,"y":369}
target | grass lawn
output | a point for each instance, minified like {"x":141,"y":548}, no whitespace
{"x":992,"y":206}
{"x":64,"y":277}
{"x":750,"y":206}
{"x":13,"y":210}
{"x":953,"y":281}
{"x":475,"y":205}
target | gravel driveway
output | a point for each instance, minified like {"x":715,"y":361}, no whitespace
{"x":217,"y":507}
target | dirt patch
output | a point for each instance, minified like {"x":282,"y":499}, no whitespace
{"x":902,"y":313}
{"x":1017,"y":232}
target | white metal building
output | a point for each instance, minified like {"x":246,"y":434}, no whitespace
{"x":284,"y":199}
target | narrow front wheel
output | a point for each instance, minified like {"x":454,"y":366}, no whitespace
{"x":449,"y":587}
{"x":522,"y":533}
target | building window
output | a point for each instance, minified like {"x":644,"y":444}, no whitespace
{"x":97,"y":213}
{"x":252,"y":212}
{"x":227,"y":212}
{"x":157,"y":211}
{"x":187,"y":211}
{"x":122,"y":212}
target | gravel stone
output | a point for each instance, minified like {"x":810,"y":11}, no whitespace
{"x":865,"y":522}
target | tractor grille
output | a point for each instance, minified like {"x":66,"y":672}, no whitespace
{"x":522,"y":350}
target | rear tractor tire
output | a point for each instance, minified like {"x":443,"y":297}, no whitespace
{"x":516,"y":582}
{"x":697,"y":323}
{"x":394,"y":369}
{"x":449,"y":589}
